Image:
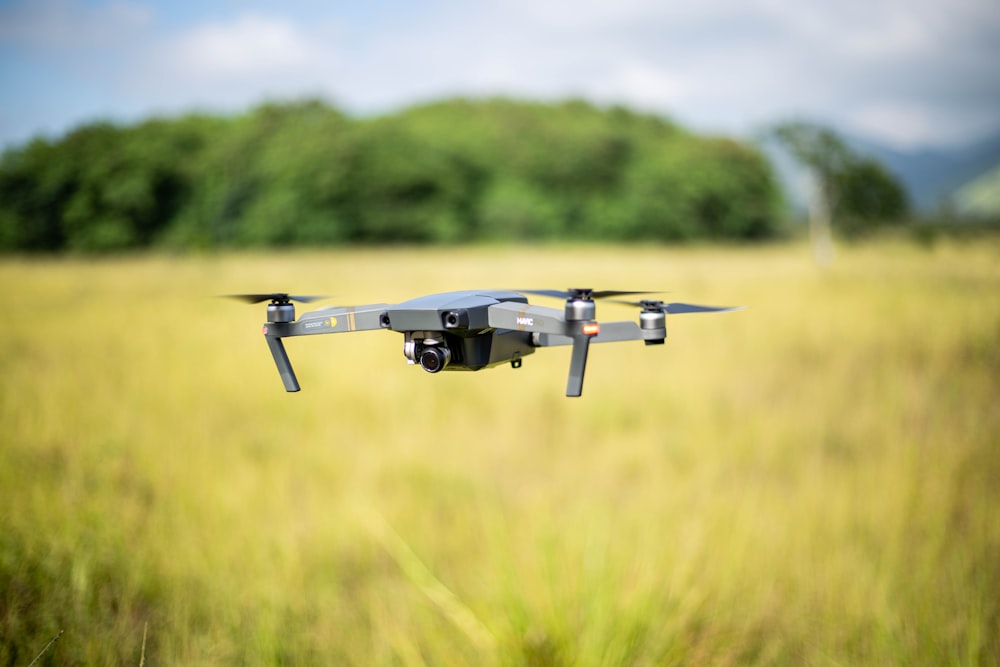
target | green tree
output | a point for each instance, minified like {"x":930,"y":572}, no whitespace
{"x":700,"y":188}
{"x":849,"y":191}
{"x":33,"y":189}
{"x":870,"y":197}
{"x":102,"y":187}
{"x":405,"y":189}
{"x":303,"y":173}
{"x":297,"y":168}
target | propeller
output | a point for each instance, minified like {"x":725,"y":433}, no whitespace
{"x":277,"y":298}
{"x":586,"y":293}
{"x":580,"y":312}
{"x":280,"y":312}
{"x":676,"y":308}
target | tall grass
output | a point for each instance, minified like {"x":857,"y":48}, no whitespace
{"x":811,"y":481}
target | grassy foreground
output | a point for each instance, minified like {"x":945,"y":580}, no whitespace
{"x":812,"y":481}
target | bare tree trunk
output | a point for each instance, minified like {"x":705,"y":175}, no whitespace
{"x":819,"y":222}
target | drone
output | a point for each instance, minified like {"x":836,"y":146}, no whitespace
{"x":474,"y":329}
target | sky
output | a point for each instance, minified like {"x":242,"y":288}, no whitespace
{"x":907,"y":73}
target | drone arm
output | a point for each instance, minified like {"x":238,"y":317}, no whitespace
{"x":611,"y":332}
{"x":339,"y":319}
{"x":327,"y":320}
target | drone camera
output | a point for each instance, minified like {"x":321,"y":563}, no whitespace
{"x":454,"y":319}
{"x":432,"y":353}
{"x":434,"y":358}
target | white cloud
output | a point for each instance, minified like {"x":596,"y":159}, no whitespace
{"x":897,"y":124}
{"x":647,"y":85}
{"x":234,"y":63}
{"x":250,"y":47}
{"x":912,"y":71}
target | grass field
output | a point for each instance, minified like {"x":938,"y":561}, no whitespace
{"x":812,"y":481}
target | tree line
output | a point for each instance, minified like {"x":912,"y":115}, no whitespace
{"x":305,"y":173}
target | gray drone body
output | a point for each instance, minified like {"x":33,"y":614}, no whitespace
{"x":474,"y":329}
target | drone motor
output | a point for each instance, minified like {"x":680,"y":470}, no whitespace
{"x":655,"y":323}
{"x":280,"y":312}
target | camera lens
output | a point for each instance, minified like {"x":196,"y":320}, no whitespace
{"x":433,"y":359}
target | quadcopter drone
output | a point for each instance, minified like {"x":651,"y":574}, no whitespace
{"x":471,"y":330}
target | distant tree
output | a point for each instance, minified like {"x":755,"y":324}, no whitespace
{"x":849,"y":191}
{"x":870,"y":197}
{"x":101,"y":188}
{"x":32,"y":192}
{"x":696,"y":187}
{"x":824,"y":155}
{"x":303,"y":173}
{"x":294,"y":179}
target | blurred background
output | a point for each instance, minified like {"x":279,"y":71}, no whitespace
{"x":244,"y":123}
{"x":908,"y":75}
{"x":812,"y":480}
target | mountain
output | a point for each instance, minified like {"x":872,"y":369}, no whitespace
{"x":980,"y":198}
{"x":933,"y":176}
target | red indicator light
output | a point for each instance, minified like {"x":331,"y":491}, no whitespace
{"x":265,"y":330}
{"x":591,"y":329}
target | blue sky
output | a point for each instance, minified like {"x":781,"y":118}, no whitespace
{"x":911,"y":73}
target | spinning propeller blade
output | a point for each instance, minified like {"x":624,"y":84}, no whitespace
{"x":582,"y":293}
{"x":278,"y":297}
{"x":677,"y":308}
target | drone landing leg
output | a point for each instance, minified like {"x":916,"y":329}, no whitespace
{"x":281,"y":361}
{"x":577,"y":365}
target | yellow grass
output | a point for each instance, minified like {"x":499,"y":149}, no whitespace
{"x":814,"y":480}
